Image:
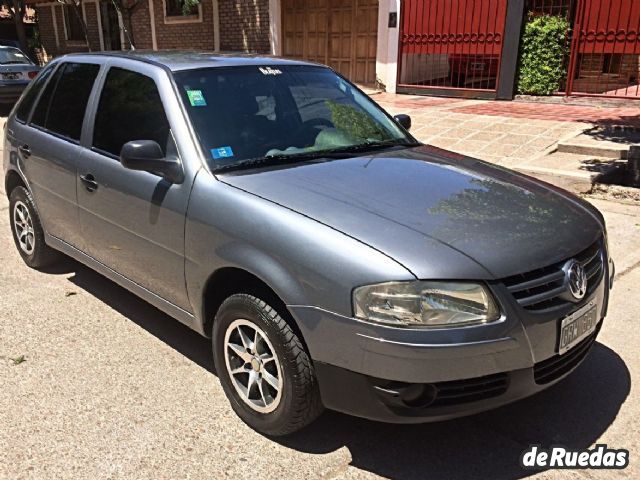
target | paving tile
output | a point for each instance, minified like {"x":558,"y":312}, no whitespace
{"x":462,"y":117}
{"x":542,"y":143}
{"x":477,"y":124}
{"x":500,"y":149}
{"x":486,"y":136}
{"x":458,"y":133}
{"x":490,"y":158}
{"x":501,"y":128}
{"x":530,"y":128}
{"x":559,"y":113}
{"x":435,"y":122}
{"x":470,"y":146}
{"x":443,"y":142}
{"x":516,"y":139}
{"x":526,"y":152}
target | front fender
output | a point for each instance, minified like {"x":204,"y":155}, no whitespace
{"x":305,"y":262}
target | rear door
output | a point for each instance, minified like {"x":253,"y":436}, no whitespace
{"x":133,"y":221}
{"x":47,"y":144}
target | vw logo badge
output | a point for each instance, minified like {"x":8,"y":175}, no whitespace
{"x":576,"y":279}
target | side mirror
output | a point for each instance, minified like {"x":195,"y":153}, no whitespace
{"x":146,"y":155}
{"x":404,"y":120}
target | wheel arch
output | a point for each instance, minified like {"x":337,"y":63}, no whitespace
{"x":227,"y":281}
{"x":12,"y":180}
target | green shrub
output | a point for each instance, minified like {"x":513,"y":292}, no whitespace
{"x":543,"y":49}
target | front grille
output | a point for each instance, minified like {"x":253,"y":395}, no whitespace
{"x":541,"y":289}
{"x":558,"y":365}
{"x":470,"y":390}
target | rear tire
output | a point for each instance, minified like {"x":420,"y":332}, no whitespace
{"x":263,"y":367}
{"x":27,"y":230}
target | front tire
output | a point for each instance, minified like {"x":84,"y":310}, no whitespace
{"x":263,"y":366}
{"x":27,"y":230}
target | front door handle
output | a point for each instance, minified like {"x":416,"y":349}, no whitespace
{"x":25,"y":150}
{"x":89,"y":182}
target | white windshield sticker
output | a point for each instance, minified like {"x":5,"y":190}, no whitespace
{"x":270,"y":71}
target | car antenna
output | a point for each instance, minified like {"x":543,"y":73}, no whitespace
{"x":124,"y":28}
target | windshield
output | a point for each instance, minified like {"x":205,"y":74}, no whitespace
{"x":12,"y":55}
{"x":290,"y":113}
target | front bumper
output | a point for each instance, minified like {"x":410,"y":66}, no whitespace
{"x":400,"y":402}
{"x":415,"y":375}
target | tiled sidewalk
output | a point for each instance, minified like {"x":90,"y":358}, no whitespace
{"x":629,"y":116}
{"x":507,"y":133}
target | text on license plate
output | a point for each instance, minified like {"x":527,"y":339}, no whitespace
{"x":577,"y":326}
{"x":11,"y":76}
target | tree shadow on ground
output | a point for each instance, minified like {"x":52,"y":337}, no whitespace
{"x":622,"y":129}
{"x":573,"y":413}
{"x":602,"y":166}
{"x":617,"y":134}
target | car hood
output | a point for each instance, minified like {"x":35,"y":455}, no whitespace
{"x":440,"y":214}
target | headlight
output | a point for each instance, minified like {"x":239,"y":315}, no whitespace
{"x":426,"y":304}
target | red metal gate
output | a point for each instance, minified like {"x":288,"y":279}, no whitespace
{"x":605,"y":49}
{"x":450,"y":45}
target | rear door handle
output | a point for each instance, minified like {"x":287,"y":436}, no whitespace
{"x":25,"y":150}
{"x":89,"y":182}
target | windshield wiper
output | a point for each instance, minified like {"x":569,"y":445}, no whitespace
{"x":370,"y":146}
{"x":342,"y":152}
{"x":9,"y":62}
{"x":270,"y":160}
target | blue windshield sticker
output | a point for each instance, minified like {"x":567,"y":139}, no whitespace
{"x":221,"y":152}
{"x":196,"y":98}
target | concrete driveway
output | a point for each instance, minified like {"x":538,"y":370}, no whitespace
{"x":112,"y":388}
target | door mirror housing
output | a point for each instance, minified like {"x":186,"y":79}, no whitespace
{"x":404,"y":120}
{"x":147,"y":155}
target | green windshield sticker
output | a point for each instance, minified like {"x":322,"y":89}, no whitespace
{"x":196,"y":98}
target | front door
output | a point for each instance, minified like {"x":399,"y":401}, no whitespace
{"x":133,"y":221}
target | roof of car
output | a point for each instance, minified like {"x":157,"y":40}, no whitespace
{"x":176,"y":60}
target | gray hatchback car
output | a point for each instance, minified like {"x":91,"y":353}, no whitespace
{"x":334,"y":260}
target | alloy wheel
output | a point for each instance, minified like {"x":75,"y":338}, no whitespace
{"x":253,"y":366}
{"x":23,"y":226}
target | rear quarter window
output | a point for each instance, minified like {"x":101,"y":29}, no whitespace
{"x":30,"y":96}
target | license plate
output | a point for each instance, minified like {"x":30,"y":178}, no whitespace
{"x":577,"y":326}
{"x":11,"y":76}
{"x":477,"y":66}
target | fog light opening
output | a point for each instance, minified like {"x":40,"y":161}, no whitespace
{"x":419,"y":395}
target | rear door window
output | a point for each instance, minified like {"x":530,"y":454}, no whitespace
{"x":62,"y":106}
{"x":130,"y":109}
